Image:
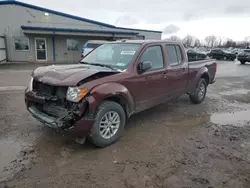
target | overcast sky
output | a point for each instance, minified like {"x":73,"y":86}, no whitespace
{"x":227,"y":18}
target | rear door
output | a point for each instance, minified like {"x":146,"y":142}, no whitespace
{"x":177,"y":71}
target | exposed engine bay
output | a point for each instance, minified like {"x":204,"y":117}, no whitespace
{"x":53,"y":101}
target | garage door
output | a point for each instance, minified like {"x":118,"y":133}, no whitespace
{"x":2,"y":50}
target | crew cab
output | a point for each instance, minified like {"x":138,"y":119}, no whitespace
{"x":94,"y":98}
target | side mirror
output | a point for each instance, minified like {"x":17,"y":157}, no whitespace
{"x":144,"y":66}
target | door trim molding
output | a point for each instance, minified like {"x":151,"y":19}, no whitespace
{"x":46,"y":53}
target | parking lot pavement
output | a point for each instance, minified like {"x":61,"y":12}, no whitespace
{"x":172,"y":145}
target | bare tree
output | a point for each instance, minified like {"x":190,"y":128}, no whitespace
{"x":230,"y":43}
{"x":220,"y":39}
{"x":188,"y":41}
{"x":210,"y":40}
{"x":247,"y":39}
{"x":175,"y":38}
{"x":197,"y":43}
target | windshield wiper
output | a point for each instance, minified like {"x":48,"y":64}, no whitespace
{"x":100,"y":65}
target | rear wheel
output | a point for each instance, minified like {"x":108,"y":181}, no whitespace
{"x":200,"y":93}
{"x":242,"y":62}
{"x":109,"y":124}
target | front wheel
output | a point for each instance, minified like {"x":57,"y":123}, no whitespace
{"x":109,"y":124}
{"x":242,"y":62}
{"x":200,"y":93}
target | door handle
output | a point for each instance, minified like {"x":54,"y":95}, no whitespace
{"x":165,"y":74}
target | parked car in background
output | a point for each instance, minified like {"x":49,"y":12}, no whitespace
{"x":95,"y":98}
{"x":220,"y":54}
{"x":195,"y":55}
{"x":91,"y":45}
{"x":244,"y":56}
{"x":235,"y":51}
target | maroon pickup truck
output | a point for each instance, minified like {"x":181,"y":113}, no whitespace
{"x":94,"y":98}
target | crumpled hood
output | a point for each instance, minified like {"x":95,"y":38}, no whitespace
{"x":66,"y":75}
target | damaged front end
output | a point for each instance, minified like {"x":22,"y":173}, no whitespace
{"x":49,"y":105}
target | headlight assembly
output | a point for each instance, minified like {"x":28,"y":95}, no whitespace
{"x":30,"y":86}
{"x":75,"y":94}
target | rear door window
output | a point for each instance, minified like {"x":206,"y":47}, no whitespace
{"x":174,"y":56}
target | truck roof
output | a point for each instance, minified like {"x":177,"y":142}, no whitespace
{"x":145,"y":41}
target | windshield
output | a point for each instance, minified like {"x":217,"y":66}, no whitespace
{"x":248,"y":51}
{"x":116,"y":55}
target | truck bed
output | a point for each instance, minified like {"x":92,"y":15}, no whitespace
{"x":196,"y":66}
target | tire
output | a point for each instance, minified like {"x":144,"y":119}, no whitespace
{"x":196,"y":98}
{"x":242,"y":62}
{"x":105,"y":108}
{"x":224,"y":58}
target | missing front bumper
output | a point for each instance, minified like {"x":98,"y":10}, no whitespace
{"x":44,"y":118}
{"x":80,"y":128}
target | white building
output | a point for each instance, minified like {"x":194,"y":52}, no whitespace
{"x":38,"y":34}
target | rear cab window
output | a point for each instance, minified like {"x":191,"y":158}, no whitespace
{"x":174,"y":55}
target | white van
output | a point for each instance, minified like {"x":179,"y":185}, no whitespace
{"x":91,"y":45}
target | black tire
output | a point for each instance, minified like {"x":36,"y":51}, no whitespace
{"x":95,"y":136}
{"x":195,"y":98}
{"x":242,"y":62}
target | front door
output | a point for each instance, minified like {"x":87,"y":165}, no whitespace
{"x":148,"y":88}
{"x":41,"y":49}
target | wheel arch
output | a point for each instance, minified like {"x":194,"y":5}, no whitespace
{"x":111,"y":92}
{"x":120,"y":100}
{"x":206,"y":77}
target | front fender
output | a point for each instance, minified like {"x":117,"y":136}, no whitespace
{"x":104,"y":91}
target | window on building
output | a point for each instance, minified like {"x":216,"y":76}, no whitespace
{"x":93,"y":45}
{"x":21,"y":44}
{"x":153,"y":54}
{"x":73,"y":45}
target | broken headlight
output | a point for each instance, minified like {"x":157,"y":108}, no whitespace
{"x":75,"y":94}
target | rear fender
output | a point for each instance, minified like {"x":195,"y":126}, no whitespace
{"x":110,"y":90}
{"x":203,"y":72}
